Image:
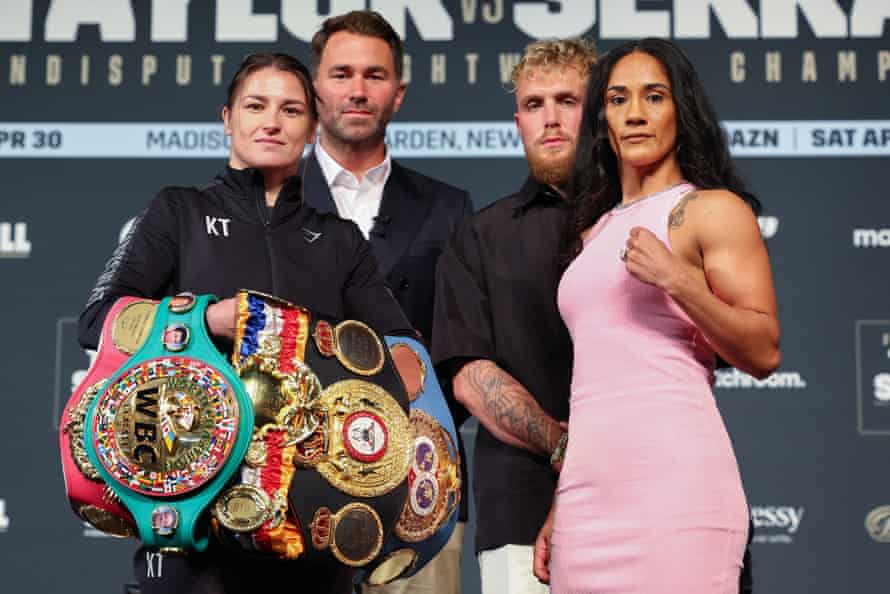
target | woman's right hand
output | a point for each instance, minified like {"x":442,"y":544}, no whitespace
{"x":542,"y":548}
{"x":221,"y":318}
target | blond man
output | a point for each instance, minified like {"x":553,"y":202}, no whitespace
{"x":497,"y":333}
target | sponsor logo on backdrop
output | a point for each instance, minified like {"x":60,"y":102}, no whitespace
{"x":780,"y":380}
{"x":435,"y":22}
{"x":873,"y":376}
{"x":881,"y":384}
{"x":769,"y":226}
{"x":776,"y":524}
{"x":14,"y":240}
{"x":4,"y":519}
{"x":877,"y":523}
{"x":437,"y":140}
{"x":869,"y":238}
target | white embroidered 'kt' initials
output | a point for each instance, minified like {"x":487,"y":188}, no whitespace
{"x":154,"y":565}
{"x":212,"y":230}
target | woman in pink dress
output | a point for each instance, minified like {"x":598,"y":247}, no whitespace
{"x":667,"y":269}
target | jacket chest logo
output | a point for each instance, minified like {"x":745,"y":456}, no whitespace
{"x":217,"y":226}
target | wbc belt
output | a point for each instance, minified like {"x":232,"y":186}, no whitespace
{"x":126,"y":328}
{"x":171,"y":427}
{"x":428,"y":516}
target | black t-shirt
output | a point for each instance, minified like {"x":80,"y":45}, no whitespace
{"x":496,"y":299}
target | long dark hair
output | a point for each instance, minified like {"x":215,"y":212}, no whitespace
{"x":701,"y":146}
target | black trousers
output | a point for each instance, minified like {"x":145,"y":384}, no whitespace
{"x":218,"y":571}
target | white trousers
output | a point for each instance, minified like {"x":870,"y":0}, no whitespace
{"x":509,"y":570}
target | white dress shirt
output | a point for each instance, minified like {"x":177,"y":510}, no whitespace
{"x":358,"y":201}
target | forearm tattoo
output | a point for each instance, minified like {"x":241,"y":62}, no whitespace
{"x":678,"y":215}
{"x":513,"y":408}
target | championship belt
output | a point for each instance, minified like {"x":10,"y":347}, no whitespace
{"x":171,"y":427}
{"x":428,"y":516}
{"x":332,"y":436}
{"x":269,"y":352}
{"x":352,"y":477}
{"x":126,"y":328}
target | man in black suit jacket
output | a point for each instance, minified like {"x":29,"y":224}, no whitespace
{"x":416,"y":217}
{"x":407,"y":216}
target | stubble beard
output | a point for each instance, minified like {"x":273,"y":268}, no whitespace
{"x":355,"y":136}
{"x":553,"y":171}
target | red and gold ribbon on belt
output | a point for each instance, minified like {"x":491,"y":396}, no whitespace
{"x":270,"y":346}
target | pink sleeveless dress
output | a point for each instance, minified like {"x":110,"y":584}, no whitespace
{"x":649,"y":499}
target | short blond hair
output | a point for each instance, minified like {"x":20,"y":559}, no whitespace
{"x":575,"y":52}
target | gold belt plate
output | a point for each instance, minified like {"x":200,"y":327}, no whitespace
{"x":434,"y":481}
{"x":369,"y":439}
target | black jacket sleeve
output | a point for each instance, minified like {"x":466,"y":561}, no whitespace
{"x":143,"y":265}
{"x":365,"y":294}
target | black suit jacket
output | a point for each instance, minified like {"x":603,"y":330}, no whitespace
{"x":417,"y":216}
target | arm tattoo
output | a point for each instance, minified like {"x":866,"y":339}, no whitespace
{"x":514,"y":409}
{"x":679,"y":213}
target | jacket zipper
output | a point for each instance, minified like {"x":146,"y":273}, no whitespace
{"x":263,"y":212}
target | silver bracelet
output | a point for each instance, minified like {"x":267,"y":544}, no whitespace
{"x":559,"y":452}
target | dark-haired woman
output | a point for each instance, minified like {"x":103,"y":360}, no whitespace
{"x":667,"y":268}
{"x":248,"y":228}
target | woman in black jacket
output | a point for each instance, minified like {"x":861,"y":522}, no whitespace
{"x":248,"y":228}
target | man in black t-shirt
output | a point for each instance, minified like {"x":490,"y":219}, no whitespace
{"x":497,"y":332}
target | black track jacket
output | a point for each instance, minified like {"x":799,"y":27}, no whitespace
{"x":223,"y":237}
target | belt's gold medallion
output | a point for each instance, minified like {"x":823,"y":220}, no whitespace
{"x":356,"y":534}
{"x":256,"y":453}
{"x":243,"y":508}
{"x":356,"y":346}
{"x":393,"y":566}
{"x":133,"y":325}
{"x":106,"y":522}
{"x":182,"y":303}
{"x":434,"y":481}
{"x":74,"y":428}
{"x":369,"y":439}
{"x":410,"y":367}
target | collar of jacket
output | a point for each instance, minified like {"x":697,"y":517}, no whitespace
{"x":245,"y":182}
